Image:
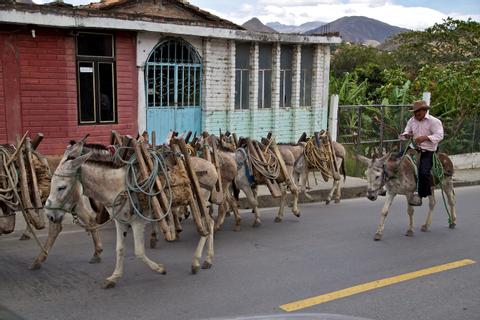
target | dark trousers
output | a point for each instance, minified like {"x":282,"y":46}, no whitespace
{"x":424,"y":173}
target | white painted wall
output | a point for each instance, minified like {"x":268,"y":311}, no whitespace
{"x":466,"y":161}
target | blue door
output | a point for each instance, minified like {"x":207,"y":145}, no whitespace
{"x":174,"y":84}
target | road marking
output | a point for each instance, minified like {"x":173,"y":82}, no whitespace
{"x":309,"y":302}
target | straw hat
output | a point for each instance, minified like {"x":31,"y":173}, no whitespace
{"x":419,"y":105}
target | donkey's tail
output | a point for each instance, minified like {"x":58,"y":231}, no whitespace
{"x":236,"y":191}
{"x":342,"y":170}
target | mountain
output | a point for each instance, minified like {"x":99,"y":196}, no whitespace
{"x":285,"y":28}
{"x":256,"y":25}
{"x":359,"y":29}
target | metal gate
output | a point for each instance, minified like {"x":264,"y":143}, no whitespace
{"x":174,"y":85}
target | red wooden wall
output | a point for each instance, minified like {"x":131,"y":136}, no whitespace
{"x":38,"y":88}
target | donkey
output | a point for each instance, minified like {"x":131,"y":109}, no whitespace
{"x":229,"y":172}
{"x":107,"y":183}
{"x":398,"y":176}
{"x":301,"y":168}
{"x":243,"y":182}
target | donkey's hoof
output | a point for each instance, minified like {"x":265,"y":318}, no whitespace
{"x":377,"y":237}
{"x":95,"y":259}
{"x":424,"y":228}
{"x":153,"y":243}
{"x":278,"y":219}
{"x":327,"y":202}
{"x":452,"y":225}
{"x":337,"y":200}
{"x":24,"y":237}
{"x":257,"y":224}
{"x":35,"y":266}
{"x":296,"y":213}
{"x":195,"y":269}
{"x":206,"y":265}
{"x":409,"y":233}
{"x":237,"y":228}
{"x":108,"y":284}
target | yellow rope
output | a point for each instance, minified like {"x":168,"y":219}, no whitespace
{"x":270,"y":169}
{"x":318,"y":157}
{"x":191,"y":150}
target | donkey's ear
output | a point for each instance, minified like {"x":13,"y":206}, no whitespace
{"x":77,"y":162}
{"x":363,"y":159}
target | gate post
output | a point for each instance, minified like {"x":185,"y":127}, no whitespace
{"x":426,"y":97}
{"x":333,"y":117}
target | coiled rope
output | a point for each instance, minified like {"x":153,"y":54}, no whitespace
{"x":10,"y":196}
{"x":135,"y":185}
{"x":270,"y":168}
{"x":318,"y":158}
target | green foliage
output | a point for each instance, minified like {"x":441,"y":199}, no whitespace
{"x":347,"y":57}
{"x":456,"y":92}
{"x":450,"y":41}
{"x":443,"y":59}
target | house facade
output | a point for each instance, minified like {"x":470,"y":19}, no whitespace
{"x":135,"y":65}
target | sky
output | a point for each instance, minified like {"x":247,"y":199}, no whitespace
{"x":411,"y":14}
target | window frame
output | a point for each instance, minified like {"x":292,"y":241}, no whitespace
{"x":96,"y":61}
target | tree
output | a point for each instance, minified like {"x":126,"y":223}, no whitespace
{"x":453,"y":41}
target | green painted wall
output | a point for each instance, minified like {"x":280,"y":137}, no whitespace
{"x":291,"y":123}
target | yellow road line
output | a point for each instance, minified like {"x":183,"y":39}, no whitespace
{"x":302,"y":304}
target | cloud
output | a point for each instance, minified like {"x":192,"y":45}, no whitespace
{"x":298,"y":12}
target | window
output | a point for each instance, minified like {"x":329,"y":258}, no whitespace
{"x":242,"y":73}
{"x":286,"y":56}
{"x":96,"y":78}
{"x":306,"y":77}
{"x":265,"y":76}
{"x":174,"y":76}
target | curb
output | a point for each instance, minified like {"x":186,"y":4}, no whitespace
{"x":319,"y":195}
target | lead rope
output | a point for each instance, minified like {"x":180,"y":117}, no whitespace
{"x":437,"y":171}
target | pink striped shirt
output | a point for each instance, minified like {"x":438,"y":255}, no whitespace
{"x":430,"y":127}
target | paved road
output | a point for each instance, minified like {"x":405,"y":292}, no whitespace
{"x":258,"y":270}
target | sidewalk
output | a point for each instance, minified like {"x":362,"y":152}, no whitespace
{"x":352,"y":188}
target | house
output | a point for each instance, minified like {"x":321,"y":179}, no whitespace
{"x":156,"y":65}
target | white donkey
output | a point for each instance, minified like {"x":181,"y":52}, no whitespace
{"x":398,"y":176}
{"x":106,"y":184}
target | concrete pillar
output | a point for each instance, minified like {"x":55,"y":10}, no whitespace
{"x":276,"y":50}
{"x":296,"y":74}
{"x":231,"y":77}
{"x":333,"y":117}
{"x":325,"y":85}
{"x":317,"y":87}
{"x":253,"y":87}
{"x":206,"y":47}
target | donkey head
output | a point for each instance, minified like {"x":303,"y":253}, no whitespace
{"x":375,"y":175}
{"x":65,"y":188}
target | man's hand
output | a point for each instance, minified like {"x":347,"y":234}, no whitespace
{"x":421,"y":139}
{"x":404,"y":137}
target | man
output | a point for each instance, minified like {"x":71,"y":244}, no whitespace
{"x":427,"y":132}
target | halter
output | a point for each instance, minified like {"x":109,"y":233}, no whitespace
{"x":72,"y":210}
